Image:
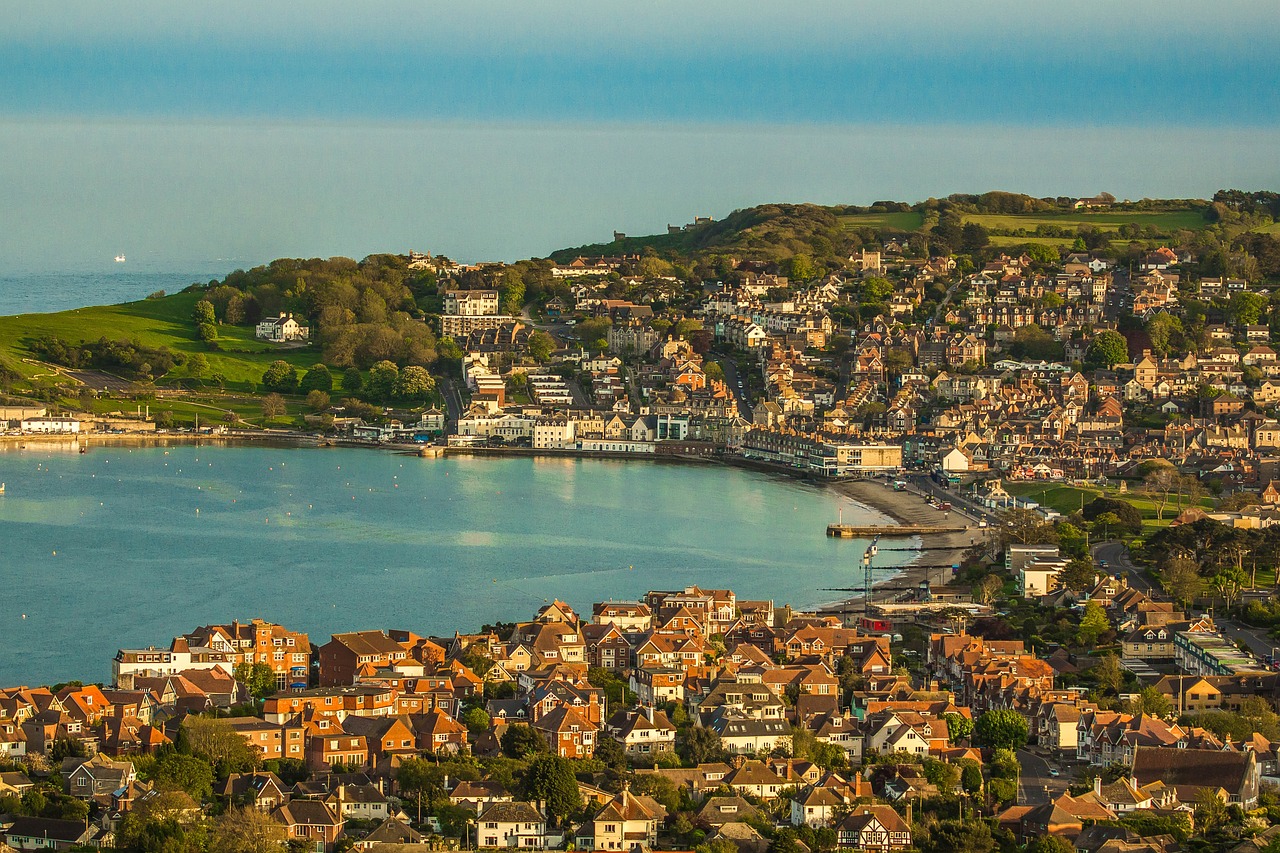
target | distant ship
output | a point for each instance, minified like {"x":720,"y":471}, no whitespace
{"x":119,"y":259}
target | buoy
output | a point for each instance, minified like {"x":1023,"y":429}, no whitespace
{"x":55,"y":553}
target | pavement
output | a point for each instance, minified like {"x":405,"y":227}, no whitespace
{"x":1035,"y":784}
{"x":731,"y":380}
{"x":1117,"y":557}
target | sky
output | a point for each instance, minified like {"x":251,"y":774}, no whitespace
{"x":189,"y":134}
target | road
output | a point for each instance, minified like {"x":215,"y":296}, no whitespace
{"x":452,"y":401}
{"x":1117,"y":557}
{"x":1035,"y":784}
{"x":731,"y":379}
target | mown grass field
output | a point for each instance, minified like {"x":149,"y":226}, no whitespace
{"x":1189,"y":220}
{"x":1068,"y":499}
{"x":909,"y":221}
{"x":165,"y":322}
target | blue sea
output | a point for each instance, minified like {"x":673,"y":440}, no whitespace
{"x":128,"y":546}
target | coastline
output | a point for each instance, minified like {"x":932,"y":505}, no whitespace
{"x":901,"y":507}
{"x":907,"y":507}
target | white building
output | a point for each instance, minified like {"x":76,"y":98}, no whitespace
{"x":471,"y":303}
{"x":282,"y":329}
{"x":58,"y":426}
{"x":152,"y":661}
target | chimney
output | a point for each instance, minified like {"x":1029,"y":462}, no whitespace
{"x":1097,"y":784}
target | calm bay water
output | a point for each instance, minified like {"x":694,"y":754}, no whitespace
{"x":40,"y":293}
{"x":130,"y":546}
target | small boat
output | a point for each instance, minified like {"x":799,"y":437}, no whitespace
{"x":119,"y":259}
{"x":1,"y":488}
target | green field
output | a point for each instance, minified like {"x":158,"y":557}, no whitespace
{"x":1110,"y":220}
{"x":909,"y":221}
{"x":1069,"y":499}
{"x":152,"y":322}
{"x":1056,"y":242}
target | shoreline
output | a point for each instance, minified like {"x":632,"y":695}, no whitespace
{"x":906,"y":507}
{"x":899,"y":507}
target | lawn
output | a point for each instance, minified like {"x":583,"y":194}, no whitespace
{"x":908,"y":221}
{"x":1190,"y":220}
{"x":1069,"y":499}
{"x":152,"y":322}
{"x":1056,"y":242}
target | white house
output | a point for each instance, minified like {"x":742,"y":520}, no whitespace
{"x":511,"y":824}
{"x":955,"y":461}
{"x":50,"y":425}
{"x":282,"y":329}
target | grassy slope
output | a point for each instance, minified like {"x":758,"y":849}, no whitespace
{"x":1067,"y":499}
{"x":1190,"y":220}
{"x":909,"y":221}
{"x":152,"y":322}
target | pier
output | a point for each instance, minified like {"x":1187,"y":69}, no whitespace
{"x":855,"y":531}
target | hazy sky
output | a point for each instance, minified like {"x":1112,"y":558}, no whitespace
{"x":189,"y":134}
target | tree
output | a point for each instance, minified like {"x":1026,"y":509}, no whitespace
{"x":476,"y":720}
{"x":317,"y":378}
{"x":875,"y":289}
{"x":1000,"y":728}
{"x":1245,"y":308}
{"x":1107,"y":673}
{"x":1107,"y":349}
{"x":785,"y":841}
{"x":176,"y":772}
{"x":701,"y":745}
{"x":549,"y":778}
{"x":800,"y":268}
{"x":987,"y":589}
{"x":1159,"y":479}
{"x":1025,"y":527}
{"x":1228,"y":583}
{"x":1050,"y":844}
{"x":216,"y":741}
{"x":1107,"y":522}
{"x":714,"y":371}
{"x":953,"y":836}
{"x":1180,"y":578}
{"x":1151,"y":702}
{"x":1211,"y":811}
{"x":1093,"y":624}
{"x":422,"y":782}
{"x":1130,"y":519}
{"x":521,"y":740}
{"x":260,"y":678}
{"x":280,"y":376}
{"x":611,"y":754}
{"x":971,"y":776}
{"x":203,"y":313}
{"x":959,"y":727}
{"x":382,"y":380}
{"x":1164,"y":330}
{"x":197,"y":365}
{"x":273,"y":406}
{"x":352,"y":380}
{"x":246,"y":830}
{"x":541,"y":345}
{"x":973,"y":236}
{"x":1079,"y":574}
{"x":414,"y":383}
{"x":317,"y":400}
{"x":207,"y":332}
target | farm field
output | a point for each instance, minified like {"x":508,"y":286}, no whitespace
{"x":1190,"y":220}
{"x":909,"y":221}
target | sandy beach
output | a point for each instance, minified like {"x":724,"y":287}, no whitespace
{"x":909,"y":507}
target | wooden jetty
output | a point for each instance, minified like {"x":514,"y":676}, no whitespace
{"x":856,"y":531}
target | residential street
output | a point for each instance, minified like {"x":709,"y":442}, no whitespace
{"x":1035,"y":784}
{"x":1117,"y":557}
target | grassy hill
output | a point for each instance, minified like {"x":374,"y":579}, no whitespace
{"x":164,"y":322}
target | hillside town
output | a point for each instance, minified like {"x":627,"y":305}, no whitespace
{"x":688,"y":719}
{"x":1092,"y":666}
